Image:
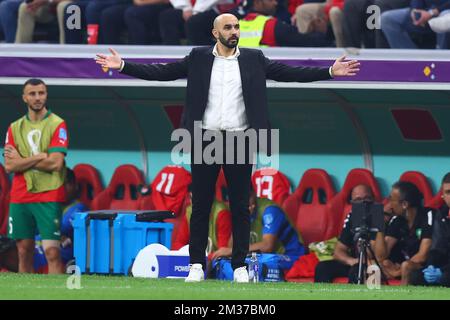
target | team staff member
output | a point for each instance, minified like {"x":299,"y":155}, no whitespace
{"x":219,"y":228}
{"x":437,"y":271}
{"x":408,"y":235}
{"x":35,"y":148}
{"x":345,"y":257}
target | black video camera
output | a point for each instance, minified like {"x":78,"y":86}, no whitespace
{"x":366,"y":217}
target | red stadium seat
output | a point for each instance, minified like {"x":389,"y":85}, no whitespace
{"x":122,"y":191}
{"x":417,"y":178}
{"x":437,"y":201}
{"x":340,"y":205}
{"x":271,"y":184}
{"x":4,"y":200}
{"x":146,"y":203}
{"x":89,"y":181}
{"x":307,"y":205}
{"x":340,"y":280}
{"x":301,"y":280}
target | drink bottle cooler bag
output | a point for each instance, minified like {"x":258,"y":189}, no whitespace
{"x":270,"y":265}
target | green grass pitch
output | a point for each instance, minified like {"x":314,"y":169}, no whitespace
{"x":20,"y":286}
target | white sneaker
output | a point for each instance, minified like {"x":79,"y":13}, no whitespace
{"x":240,"y":275}
{"x":196,"y":273}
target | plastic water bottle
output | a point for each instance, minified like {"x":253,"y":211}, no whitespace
{"x":253,"y":270}
{"x":251,"y":273}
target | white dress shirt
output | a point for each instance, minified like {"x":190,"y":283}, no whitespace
{"x":225,"y":109}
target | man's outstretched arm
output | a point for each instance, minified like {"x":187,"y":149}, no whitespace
{"x":284,"y":73}
{"x":159,"y":72}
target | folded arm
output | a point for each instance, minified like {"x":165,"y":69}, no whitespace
{"x":19,"y":164}
{"x":54,"y":162}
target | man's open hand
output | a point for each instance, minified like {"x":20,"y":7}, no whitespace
{"x":222,"y":252}
{"x":345,"y":68}
{"x":35,"y":5}
{"x":113,"y":61}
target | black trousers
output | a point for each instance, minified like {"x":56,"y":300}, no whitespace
{"x":171,"y":26}
{"x":204,"y":177}
{"x":386,"y":5}
{"x":143,"y":23}
{"x":355,"y":18}
{"x":326,"y":271}
{"x":354,"y":24}
{"x":112,"y":23}
{"x":198,"y":28}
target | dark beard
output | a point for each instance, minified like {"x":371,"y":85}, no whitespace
{"x":227,"y":43}
{"x":36,"y":109}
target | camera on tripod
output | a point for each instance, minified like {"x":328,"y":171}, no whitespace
{"x":366,"y":217}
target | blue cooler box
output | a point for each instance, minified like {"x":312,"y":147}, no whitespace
{"x":108,"y":241}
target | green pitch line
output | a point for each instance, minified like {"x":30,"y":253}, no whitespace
{"x":16,"y":286}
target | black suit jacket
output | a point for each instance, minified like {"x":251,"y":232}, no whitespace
{"x":254,"y":67}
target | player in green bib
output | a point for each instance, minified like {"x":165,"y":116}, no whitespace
{"x":271,"y":231}
{"x":35,"y":148}
{"x":219,"y":228}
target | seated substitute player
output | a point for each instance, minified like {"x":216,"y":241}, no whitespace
{"x":219,"y":228}
{"x":408,"y":235}
{"x":437,"y":270}
{"x":345,"y":256}
{"x":271,"y":231}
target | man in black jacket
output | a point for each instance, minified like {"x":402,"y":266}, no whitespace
{"x":226,"y":92}
{"x":408,"y":235}
{"x":437,"y":270}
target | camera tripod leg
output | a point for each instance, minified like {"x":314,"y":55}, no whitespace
{"x":362,"y":262}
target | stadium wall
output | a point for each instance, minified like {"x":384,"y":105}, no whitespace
{"x":110,"y":126}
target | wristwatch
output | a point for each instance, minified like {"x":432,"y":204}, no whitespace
{"x":432,"y":12}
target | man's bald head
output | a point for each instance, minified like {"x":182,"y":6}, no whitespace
{"x":226,"y":30}
{"x":362,"y":192}
{"x":220,"y":20}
